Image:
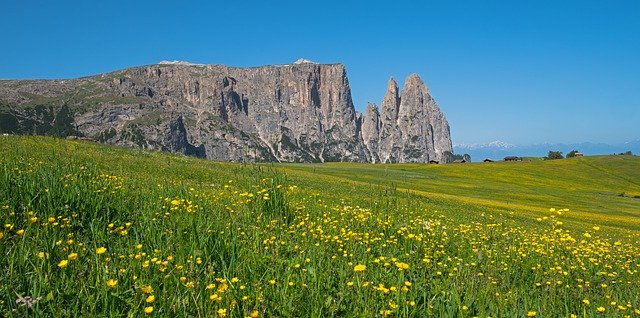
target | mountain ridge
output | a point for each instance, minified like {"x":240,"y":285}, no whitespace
{"x":301,"y":112}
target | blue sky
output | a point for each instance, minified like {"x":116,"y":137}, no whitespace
{"x":518,"y":71}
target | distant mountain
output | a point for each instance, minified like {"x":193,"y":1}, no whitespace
{"x":301,"y":112}
{"x":498,"y":149}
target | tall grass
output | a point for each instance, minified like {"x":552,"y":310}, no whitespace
{"x":90,"y":230}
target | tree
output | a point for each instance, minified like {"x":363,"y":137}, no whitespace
{"x":572,"y":153}
{"x":447,"y":157}
{"x":554,"y":155}
{"x":63,"y":123}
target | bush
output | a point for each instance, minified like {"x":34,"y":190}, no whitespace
{"x":554,"y":155}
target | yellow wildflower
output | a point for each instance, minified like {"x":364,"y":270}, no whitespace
{"x":148,"y":310}
{"x":63,"y":263}
{"x":222,"y":312}
{"x":101,"y":250}
{"x":401,"y":266}
{"x":360,"y":268}
{"x":73,"y":256}
{"x":112,"y":283}
{"x":147,"y":289}
{"x":150,"y":299}
{"x":531,"y":314}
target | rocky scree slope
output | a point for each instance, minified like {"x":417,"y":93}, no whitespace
{"x":291,"y":113}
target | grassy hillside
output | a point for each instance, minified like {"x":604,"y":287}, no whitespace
{"x":92,"y":230}
{"x":601,"y":190}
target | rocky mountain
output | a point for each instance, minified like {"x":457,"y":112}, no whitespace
{"x":294,"y":113}
{"x":409,"y":128}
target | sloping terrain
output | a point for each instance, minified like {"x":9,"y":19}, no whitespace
{"x":105,"y":231}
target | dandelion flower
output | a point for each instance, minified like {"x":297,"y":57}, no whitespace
{"x":531,"y":314}
{"x":401,"y":266}
{"x":150,"y":299}
{"x":222,"y":312}
{"x":63,"y":263}
{"x":600,"y":309}
{"x":147,"y":289}
{"x":360,"y":268}
{"x":148,"y":310}
{"x":73,"y":256}
{"x":112,"y":283}
{"x":20,"y":232}
{"x":254,"y":314}
{"x":101,"y":250}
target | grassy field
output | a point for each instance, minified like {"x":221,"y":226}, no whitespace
{"x":92,"y":230}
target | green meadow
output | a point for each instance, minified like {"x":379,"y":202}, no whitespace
{"x":96,"y":230}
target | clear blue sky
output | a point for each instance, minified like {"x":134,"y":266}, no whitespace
{"x":517,"y":71}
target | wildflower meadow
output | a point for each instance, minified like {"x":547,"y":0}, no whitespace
{"x":99,"y":231}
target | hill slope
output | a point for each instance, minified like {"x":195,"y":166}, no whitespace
{"x":602,"y":189}
{"x":95,"y":230}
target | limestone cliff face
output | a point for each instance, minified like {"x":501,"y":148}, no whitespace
{"x":411,"y":128}
{"x":295,"y":113}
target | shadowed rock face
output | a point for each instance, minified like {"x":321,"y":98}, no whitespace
{"x":294,"y":113}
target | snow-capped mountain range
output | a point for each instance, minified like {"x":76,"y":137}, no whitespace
{"x":497,"y":150}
